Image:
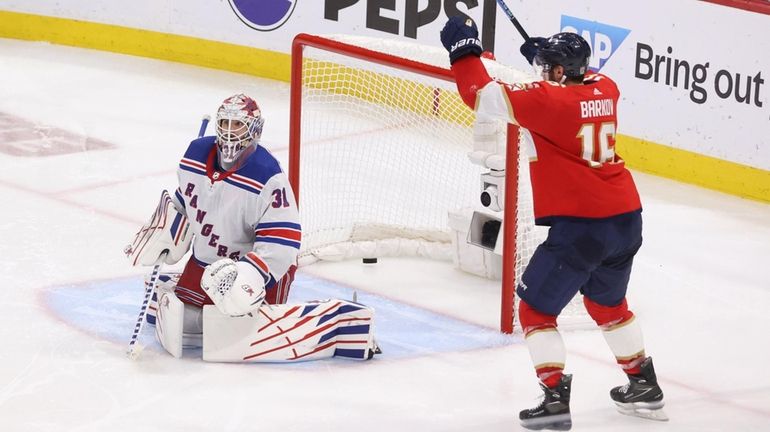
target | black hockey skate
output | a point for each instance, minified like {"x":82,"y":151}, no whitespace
{"x":553,"y":411}
{"x":642,"y":396}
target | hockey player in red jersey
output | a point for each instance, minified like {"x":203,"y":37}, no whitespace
{"x":582,"y":190}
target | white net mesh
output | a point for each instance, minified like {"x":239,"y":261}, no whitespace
{"x":384,"y":157}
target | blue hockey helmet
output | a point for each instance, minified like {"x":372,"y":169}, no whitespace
{"x":568,"y":50}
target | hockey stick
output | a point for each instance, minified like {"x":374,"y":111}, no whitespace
{"x":513,"y":19}
{"x":134,"y":348}
{"x":204,"y":123}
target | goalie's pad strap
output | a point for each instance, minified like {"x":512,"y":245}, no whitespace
{"x":288,"y":333}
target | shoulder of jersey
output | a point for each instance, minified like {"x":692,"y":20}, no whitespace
{"x":526,"y":86}
{"x":261,"y":166}
{"x":199,"y":149}
{"x":600,"y":79}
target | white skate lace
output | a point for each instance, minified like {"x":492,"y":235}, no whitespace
{"x":540,"y":403}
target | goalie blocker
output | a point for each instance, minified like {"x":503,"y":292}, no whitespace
{"x":167,"y":231}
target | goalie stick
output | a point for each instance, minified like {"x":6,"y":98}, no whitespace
{"x":513,"y":19}
{"x":134,"y":347}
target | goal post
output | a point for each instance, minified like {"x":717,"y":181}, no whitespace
{"x":379,"y":140}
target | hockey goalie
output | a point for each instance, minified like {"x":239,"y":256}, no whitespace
{"x":236,"y":208}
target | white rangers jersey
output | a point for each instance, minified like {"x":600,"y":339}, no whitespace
{"x":249,"y":214}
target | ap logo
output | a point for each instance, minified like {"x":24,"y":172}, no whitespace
{"x":263,"y":15}
{"x":603,"y":38}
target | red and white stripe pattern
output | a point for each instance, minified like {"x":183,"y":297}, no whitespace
{"x":259,"y":264}
{"x":284,"y":233}
{"x":244,"y":183}
{"x":311,"y":331}
{"x":191,"y":297}
{"x":279,"y":294}
{"x":192,"y":165}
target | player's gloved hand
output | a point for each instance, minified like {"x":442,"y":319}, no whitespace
{"x":460,"y":37}
{"x":236,"y":288}
{"x":530,"y":48}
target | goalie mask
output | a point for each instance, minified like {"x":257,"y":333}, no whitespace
{"x":568,"y":50}
{"x":239,"y":124}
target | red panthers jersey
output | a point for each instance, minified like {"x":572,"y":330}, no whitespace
{"x":575,"y":171}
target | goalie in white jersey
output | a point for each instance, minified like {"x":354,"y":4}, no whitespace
{"x":246,"y":235}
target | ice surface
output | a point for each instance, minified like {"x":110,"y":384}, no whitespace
{"x":700,"y":288}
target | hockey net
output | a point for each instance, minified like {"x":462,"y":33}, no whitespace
{"x":379,"y":143}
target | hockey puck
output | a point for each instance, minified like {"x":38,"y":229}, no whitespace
{"x":369,"y":260}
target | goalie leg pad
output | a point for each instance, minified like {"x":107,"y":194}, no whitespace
{"x":165,"y":281}
{"x":289,"y":333}
{"x":170,"y":323}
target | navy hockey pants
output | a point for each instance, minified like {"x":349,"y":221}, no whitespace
{"x":593,"y":256}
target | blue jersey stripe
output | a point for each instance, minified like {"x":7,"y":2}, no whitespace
{"x":180,"y":198}
{"x":270,"y":284}
{"x":279,"y":225}
{"x":175,"y":224}
{"x":279,"y":241}
{"x":192,"y":170}
{"x":242,"y":186}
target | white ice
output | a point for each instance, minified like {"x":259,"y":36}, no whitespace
{"x":699,"y":288}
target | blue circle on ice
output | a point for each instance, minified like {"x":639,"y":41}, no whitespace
{"x":263,"y":15}
{"x":108,"y":309}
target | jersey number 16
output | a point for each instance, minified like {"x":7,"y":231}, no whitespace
{"x":598,"y":143}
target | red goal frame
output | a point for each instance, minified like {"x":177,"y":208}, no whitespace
{"x":303,"y":40}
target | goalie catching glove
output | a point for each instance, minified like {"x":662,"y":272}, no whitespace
{"x":167,"y":231}
{"x":234,"y":287}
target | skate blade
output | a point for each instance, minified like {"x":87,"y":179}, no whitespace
{"x":561,"y":422}
{"x":649,"y":411}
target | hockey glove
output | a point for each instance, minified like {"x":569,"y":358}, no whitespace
{"x":167,"y":231}
{"x":530,"y":48}
{"x":234,"y":287}
{"x":460,"y":37}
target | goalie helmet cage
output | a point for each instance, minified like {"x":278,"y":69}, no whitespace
{"x":378,"y":140}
